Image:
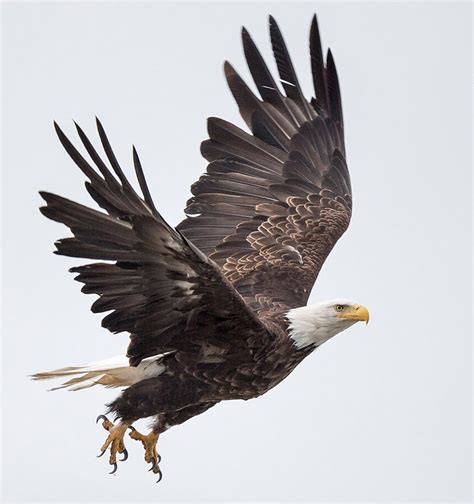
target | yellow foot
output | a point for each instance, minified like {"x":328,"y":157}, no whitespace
{"x":114,"y":440}
{"x":149,"y":443}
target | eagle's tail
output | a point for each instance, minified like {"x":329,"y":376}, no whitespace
{"x":113,"y":372}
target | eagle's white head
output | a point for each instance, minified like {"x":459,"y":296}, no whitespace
{"x":315,"y":324}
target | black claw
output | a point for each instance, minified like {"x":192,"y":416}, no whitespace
{"x":125,"y":455}
{"x":100,"y":417}
{"x":114,"y":469}
{"x":100,"y":454}
{"x":161,"y":476}
{"x":159,"y":459}
{"x":132,"y":428}
{"x":153,"y":464}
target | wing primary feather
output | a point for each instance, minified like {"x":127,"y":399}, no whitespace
{"x":74,"y":154}
{"x":112,"y":159}
{"x":317,"y":65}
{"x":142,"y":181}
{"x":285,"y":68}
{"x":228,"y":134}
{"x":246,"y":100}
{"x":262,"y":77}
{"x":248,"y":103}
{"x":334,"y":92}
{"x":263,"y":130}
{"x":95,"y":157}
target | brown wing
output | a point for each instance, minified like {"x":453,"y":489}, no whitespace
{"x":273,"y":203}
{"x":162,"y":290}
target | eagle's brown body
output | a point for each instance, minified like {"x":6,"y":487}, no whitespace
{"x":187,"y":389}
{"x":211,"y":296}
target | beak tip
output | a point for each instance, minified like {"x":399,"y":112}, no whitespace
{"x":364,"y":313}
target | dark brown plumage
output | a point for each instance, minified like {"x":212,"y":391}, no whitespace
{"x":273,"y":204}
{"x":211,"y":295}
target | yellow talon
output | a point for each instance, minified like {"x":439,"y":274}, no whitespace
{"x":149,"y":442}
{"x":114,"y":440}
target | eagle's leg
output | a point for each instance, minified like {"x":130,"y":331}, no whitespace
{"x":169,"y":398}
{"x":163,"y":422}
{"x":114,"y":440}
{"x":149,"y":442}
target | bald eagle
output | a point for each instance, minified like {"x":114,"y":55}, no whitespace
{"x":216,"y":307}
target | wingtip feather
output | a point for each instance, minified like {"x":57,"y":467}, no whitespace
{"x":228,"y":68}
{"x":59,"y":132}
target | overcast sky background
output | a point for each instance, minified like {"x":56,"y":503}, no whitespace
{"x":379,"y":413}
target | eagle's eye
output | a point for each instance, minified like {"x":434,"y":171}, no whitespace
{"x":339,"y":307}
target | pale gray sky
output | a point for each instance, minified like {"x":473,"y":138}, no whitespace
{"x":380,"y":413}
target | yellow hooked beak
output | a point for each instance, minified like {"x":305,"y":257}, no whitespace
{"x":356,"y":312}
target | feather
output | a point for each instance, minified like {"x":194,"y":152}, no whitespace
{"x":317,"y":66}
{"x":263,"y":79}
{"x":142,"y":181}
{"x":285,"y":68}
{"x":333,"y":89}
{"x":227,"y":134}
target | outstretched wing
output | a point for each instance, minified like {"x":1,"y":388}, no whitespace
{"x":273,"y":203}
{"x":158,"y":286}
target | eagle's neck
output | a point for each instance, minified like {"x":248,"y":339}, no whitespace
{"x":313,"y":325}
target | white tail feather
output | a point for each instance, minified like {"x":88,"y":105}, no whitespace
{"x":113,"y":372}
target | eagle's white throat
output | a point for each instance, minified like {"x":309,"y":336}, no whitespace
{"x":315,"y":324}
